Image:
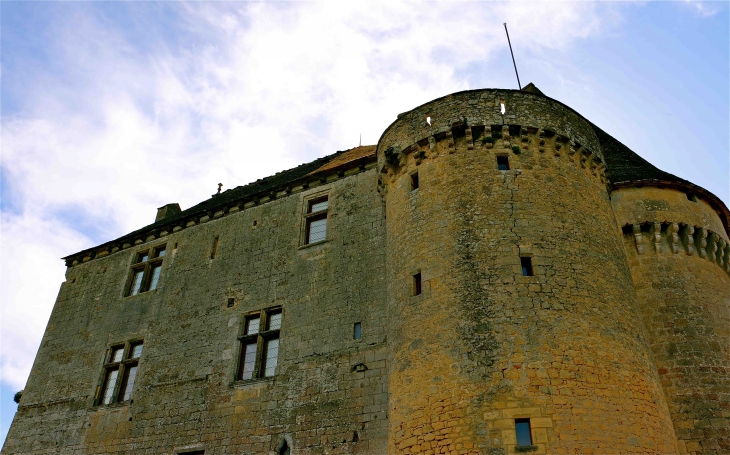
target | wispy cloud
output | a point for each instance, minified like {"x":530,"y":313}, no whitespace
{"x":703,"y":9}
{"x":113,"y":127}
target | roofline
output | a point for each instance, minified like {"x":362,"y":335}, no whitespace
{"x":211,"y":210}
{"x":714,"y":201}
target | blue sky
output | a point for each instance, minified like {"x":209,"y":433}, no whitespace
{"x":112,"y":109}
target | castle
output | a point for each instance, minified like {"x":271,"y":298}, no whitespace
{"x":498,"y":275}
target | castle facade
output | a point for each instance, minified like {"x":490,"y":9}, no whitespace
{"x":498,"y":275}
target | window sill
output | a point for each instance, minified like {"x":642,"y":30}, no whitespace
{"x":308,"y":245}
{"x":151,"y":291}
{"x":111,"y":406}
{"x":243,"y":383}
{"x":523,"y":449}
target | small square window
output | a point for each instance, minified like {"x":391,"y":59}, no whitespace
{"x":503,"y":163}
{"x":417,"y":284}
{"x":524,"y":435}
{"x":357,"y":331}
{"x":526,"y":263}
{"x":414,"y":181}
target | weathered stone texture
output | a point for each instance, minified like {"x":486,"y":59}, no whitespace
{"x":619,"y":342}
{"x":185,"y":393}
{"x":564,"y":347}
{"x":684,"y":296}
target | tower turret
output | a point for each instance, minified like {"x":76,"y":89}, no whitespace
{"x":509,"y":293}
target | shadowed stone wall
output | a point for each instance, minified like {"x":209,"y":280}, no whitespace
{"x":678,"y":252}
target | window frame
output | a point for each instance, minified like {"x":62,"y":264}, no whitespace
{"x":527,"y":268}
{"x":529,"y":432}
{"x":414,"y":181}
{"x":504,"y":158}
{"x":311,"y":216}
{"x":416,"y":284}
{"x":261,"y":339}
{"x":146,"y":267}
{"x":123,"y":368}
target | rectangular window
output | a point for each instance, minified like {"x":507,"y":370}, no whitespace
{"x":260,"y":349}
{"x":357,"y":331}
{"x":145,"y":274}
{"x":526,"y":263}
{"x":503,"y":163}
{"x":120,"y":371}
{"x":417,"y":284}
{"x":214,"y":250}
{"x":414,"y":181}
{"x":522,"y":428}
{"x":316,"y":219}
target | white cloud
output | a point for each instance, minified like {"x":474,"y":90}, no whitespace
{"x":96,"y":147}
{"x":703,"y":9}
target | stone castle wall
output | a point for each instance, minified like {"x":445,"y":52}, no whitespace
{"x":617,"y":343}
{"x":330,"y":391}
{"x":677,"y":250}
{"x":483,"y":344}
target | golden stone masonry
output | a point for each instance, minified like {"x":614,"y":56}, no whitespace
{"x":478,"y":283}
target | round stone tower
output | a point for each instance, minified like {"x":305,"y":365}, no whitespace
{"x":510,"y":295}
{"x":679,"y":253}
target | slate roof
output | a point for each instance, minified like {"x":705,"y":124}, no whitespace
{"x":346,"y":158}
{"x":623,"y":167}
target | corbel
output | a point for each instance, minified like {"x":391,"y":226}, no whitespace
{"x":541,"y":140}
{"x":689,"y":239}
{"x":638,"y":238}
{"x":524,"y":132}
{"x":721,"y":252}
{"x":505,"y":136}
{"x":702,"y":234}
{"x":673,"y":232}
{"x":712,"y":246}
{"x":559,"y":140}
{"x":431,"y":142}
{"x":573,"y":148}
{"x":658,"y":237}
{"x":450,"y":140}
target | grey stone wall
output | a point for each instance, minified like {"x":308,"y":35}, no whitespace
{"x":185,"y":395}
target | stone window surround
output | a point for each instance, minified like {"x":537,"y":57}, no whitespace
{"x":260,"y":336}
{"x":146,"y":267}
{"x":307,"y":216}
{"x":126,"y":362}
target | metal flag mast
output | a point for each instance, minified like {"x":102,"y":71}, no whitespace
{"x":519,"y":85}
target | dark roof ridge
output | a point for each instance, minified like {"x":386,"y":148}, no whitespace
{"x":626,"y":168}
{"x":250,"y":190}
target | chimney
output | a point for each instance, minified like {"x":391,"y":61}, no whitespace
{"x":167,"y":211}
